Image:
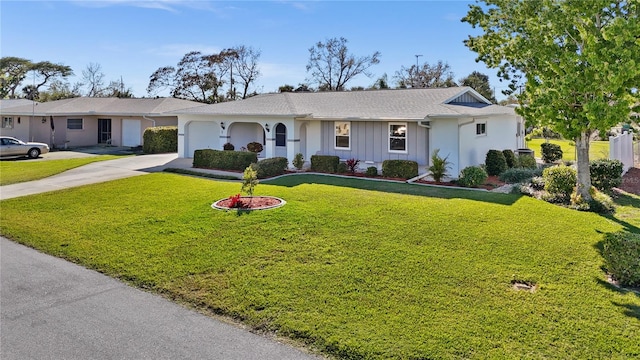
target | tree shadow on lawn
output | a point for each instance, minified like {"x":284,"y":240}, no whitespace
{"x":632,"y":310}
{"x":395,"y":187}
{"x":625,"y":199}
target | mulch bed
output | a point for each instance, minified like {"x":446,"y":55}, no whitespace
{"x":631,"y":181}
{"x":491,"y":183}
{"x":251,"y":203}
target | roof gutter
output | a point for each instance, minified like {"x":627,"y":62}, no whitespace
{"x":152,"y":121}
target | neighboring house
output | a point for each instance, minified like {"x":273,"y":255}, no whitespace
{"x":86,"y":121}
{"x":371,"y":126}
{"x":9,"y":122}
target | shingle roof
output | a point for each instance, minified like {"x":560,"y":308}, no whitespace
{"x":104,"y":106}
{"x":373,"y":104}
{"x":11,"y":103}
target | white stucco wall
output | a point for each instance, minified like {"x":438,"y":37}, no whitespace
{"x":501,"y":134}
{"x":444,"y":136}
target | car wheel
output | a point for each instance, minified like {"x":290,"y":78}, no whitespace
{"x":34,"y":153}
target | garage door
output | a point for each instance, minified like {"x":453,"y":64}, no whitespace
{"x":201,"y":135}
{"x":131,"y":133}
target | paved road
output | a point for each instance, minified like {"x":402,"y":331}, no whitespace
{"x":53,"y":309}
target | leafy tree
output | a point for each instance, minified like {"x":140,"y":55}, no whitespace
{"x":285,"y":88}
{"x":332,"y":66}
{"x":200,"y":77}
{"x":93,"y":79}
{"x":425,"y":76}
{"x":12,"y":71}
{"x":480,"y":83}
{"x":303,"y":88}
{"x":118,"y":89}
{"x":580,"y":60}
{"x":58,"y":90}
{"x":381,"y":83}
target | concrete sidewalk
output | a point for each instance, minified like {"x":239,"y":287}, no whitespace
{"x":53,"y":309}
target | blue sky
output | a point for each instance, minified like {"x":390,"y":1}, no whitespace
{"x":134,"y":38}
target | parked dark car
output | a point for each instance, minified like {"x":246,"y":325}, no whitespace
{"x":12,"y":147}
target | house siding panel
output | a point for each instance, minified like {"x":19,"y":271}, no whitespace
{"x":369,"y":142}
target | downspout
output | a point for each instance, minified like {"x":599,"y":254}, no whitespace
{"x":427,"y":125}
{"x":473,"y":120}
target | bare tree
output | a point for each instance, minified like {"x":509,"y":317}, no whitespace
{"x":331,"y":65}
{"x":246,"y":66}
{"x":93,"y":79}
{"x":426,"y":76}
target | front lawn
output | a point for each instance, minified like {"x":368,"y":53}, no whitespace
{"x":355,"y":268}
{"x":15,"y":171}
{"x":597,"y":149}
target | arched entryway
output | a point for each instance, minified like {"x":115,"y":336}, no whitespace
{"x":280,"y":134}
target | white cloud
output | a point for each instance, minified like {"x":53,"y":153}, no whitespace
{"x":166,"y":5}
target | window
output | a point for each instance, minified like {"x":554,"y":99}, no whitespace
{"x":281,"y":135}
{"x":343,"y":135}
{"x":398,"y":137}
{"x":481,"y":129}
{"x":74,"y":124}
{"x":7,"y":122}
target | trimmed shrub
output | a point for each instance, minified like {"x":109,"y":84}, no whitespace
{"x":160,"y":139}
{"x":254,"y":147}
{"x":271,"y":167}
{"x":224,"y":160}
{"x":342,"y":168}
{"x":495,"y":163}
{"x":298,"y":161}
{"x":404,"y":169}
{"x":606,"y":174}
{"x":559,"y":180}
{"x":551,"y":152}
{"x":510,"y":157}
{"x":526,"y":161}
{"x":518,"y":175}
{"x":228,"y":146}
{"x":621,"y":252}
{"x":472,"y":176}
{"x":439,"y":166}
{"x":324,"y":163}
{"x":372,"y":171}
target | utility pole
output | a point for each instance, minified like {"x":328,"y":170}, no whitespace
{"x":415,"y":77}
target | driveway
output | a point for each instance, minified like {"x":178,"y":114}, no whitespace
{"x":53,"y":309}
{"x":100,"y":171}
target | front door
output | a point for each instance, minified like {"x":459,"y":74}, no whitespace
{"x":104,"y":131}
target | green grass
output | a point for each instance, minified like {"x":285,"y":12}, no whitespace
{"x":357,"y":273}
{"x":15,"y":171}
{"x":597,"y":149}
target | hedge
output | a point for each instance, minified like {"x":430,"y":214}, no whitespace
{"x":271,"y":167}
{"x":495,"y":163}
{"x":606,"y":173}
{"x":160,"y":139}
{"x":551,"y":152}
{"x":324,"y":163}
{"x":404,"y":169}
{"x":621,"y":252}
{"x":223,"y":159}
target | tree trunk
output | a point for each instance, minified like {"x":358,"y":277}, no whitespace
{"x":584,"y":174}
